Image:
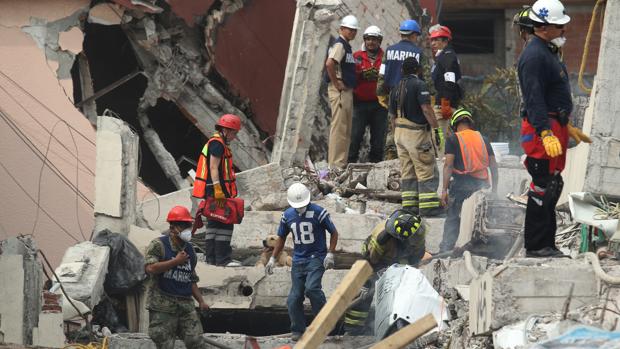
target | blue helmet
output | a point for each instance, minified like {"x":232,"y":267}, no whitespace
{"x":408,"y":26}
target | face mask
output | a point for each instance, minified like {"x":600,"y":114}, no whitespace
{"x":559,"y":41}
{"x":186,"y":235}
{"x":301,"y":210}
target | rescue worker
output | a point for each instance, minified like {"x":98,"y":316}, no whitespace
{"x":446,"y":73}
{"x":366,"y":108}
{"x":469,"y":157}
{"x":391,"y":72}
{"x":171,"y":261}
{"x":340,"y":67}
{"x":400,"y":239}
{"x":215,"y":177}
{"x":415,"y":123}
{"x":524,"y":23}
{"x":545,"y":126}
{"x":307,"y":222}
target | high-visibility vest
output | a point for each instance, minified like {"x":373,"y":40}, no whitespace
{"x":227,"y":172}
{"x":474,"y":154}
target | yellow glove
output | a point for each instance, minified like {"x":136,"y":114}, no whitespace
{"x":218,"y":194}
{"x":383,"y":100}
{"x":576,"y":134}
{"x":551,"y":143}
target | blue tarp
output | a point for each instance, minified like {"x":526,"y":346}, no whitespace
{"x":582,"y":337}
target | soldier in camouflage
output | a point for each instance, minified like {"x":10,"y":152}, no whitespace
{"x":171,"y":261}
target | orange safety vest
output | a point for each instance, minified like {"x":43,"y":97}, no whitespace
{"x":474,"y":153}
{"x":227,"y":172}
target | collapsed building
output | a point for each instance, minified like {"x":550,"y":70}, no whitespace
{"x":163,"y":72}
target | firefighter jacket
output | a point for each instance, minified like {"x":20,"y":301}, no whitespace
{"x":367,"y":73}
{"x":382,"y":250}
{"x":446,"y":73}
{"x":203,"y":182}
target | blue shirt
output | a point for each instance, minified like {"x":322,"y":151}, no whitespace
{"x":544,"y":84}
{"x":308,"y":231}
{"x":393,"y":61}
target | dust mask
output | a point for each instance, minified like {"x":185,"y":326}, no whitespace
{"x":186,"y":235}
{"x":301,"y":210}
{"x":559,"y":41}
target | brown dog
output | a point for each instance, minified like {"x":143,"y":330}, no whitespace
{"x":284,"y":259}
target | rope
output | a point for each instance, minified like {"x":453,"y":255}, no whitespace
{"x":586,"y":48}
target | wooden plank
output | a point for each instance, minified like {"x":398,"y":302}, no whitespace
{"x":337,"y":304}
{"x":408,"y":334}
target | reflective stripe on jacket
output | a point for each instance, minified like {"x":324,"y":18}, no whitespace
{"x":227,"y":172}
{"x":474,"y":153}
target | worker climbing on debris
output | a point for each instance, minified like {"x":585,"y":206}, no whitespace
{"x":415,"y":124}
{"x":307,"y":222}
{"x":400,"y":239}
{"x":446,"y":75}
{"x":171,"y":261}
{"x":215,"y":177}
{"x":340,"y":67}
{"x":469,"y":157}
{"x":366,"y":108}
{"x":546,"y":124}
{"x":391,"y":72}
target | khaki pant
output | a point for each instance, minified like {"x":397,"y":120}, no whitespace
{"x":341,"y":103}
{"x":445,"y":127}
{"x":419,"y":174}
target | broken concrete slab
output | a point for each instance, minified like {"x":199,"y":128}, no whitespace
{"x":522,"y":287}
{"x":263,"y":187}
{"x":49,"y":332}
{"x":106,"y":14}
{"x":83,"y":270}
{"x":117,"y":174}
{"x":12,"y":298}
{"x":452,"y":272}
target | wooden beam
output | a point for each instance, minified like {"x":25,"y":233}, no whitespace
{"x":337,"y":304}
{"x":408,"y":334}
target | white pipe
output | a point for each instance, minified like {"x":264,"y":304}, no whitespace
{"x":469,"y":265}
{"x":600,"y":273}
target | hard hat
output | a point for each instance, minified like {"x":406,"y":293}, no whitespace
{"x":458,"y":116}
{"x":522,"y":19}
{"x":402,"y":224}
{"x":350,"y":22}
{"x":409,"y":26}
{"x":179,"y":214}
{"x":230,"y":121}
{"x":441,"y":32}
{"x":549,"y":11}
{"x":373,"y":30}
{"x":298,"y":195}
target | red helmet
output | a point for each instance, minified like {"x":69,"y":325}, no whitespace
{"x":179,"y":214}
{"x":442,"y":32}
{"x":230,"y":121}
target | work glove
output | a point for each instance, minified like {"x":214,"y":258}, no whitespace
{"x":270,"y":265}
{"x":218,"y":194}
{"x":578,"y":135}
{"x":552,"y":145}
{"x":446,"y":109}
{"x":439,"y":140}
{"x":328,"y":262}
{"x":383,"y":100}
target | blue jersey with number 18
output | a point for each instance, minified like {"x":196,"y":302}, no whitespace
{"x":308,"y":230}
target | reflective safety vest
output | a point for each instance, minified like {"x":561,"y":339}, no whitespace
{"x":474,"y":154}
{"x":227,"y":172}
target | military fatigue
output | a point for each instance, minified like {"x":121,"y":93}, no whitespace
{"x":381,"y":250}
{"x":171,"y":316}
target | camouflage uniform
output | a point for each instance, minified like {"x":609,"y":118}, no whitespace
{"x":171,"y":316}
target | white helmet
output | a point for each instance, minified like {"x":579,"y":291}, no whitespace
{"x":298,"y":195}
{"x":373,"y":30}
{"x":549,"y":11}
{"x":350,"y":22}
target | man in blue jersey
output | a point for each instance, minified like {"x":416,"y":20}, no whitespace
{"x":308,"y":223}
{"x":390,"y":73}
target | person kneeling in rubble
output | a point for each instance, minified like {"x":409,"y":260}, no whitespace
{"x":308,"y":223}
{"x":171,"y":260}
{"x":401,"y":239}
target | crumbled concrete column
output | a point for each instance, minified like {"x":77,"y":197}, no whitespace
{"x":299,"y":105}
{"x":116,"y":176}
{"x":513,"y":291}
{"x":12,"y":299}
{"x":49,"y":332}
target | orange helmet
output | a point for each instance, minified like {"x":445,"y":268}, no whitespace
{"x":442,"y":32}
{"x":179,"y":214}
{"x":230,"y":121}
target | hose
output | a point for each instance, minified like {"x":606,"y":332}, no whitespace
{"x":586,"y":48}
{"x":600,"y":273}
{"x":469,"y":265}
